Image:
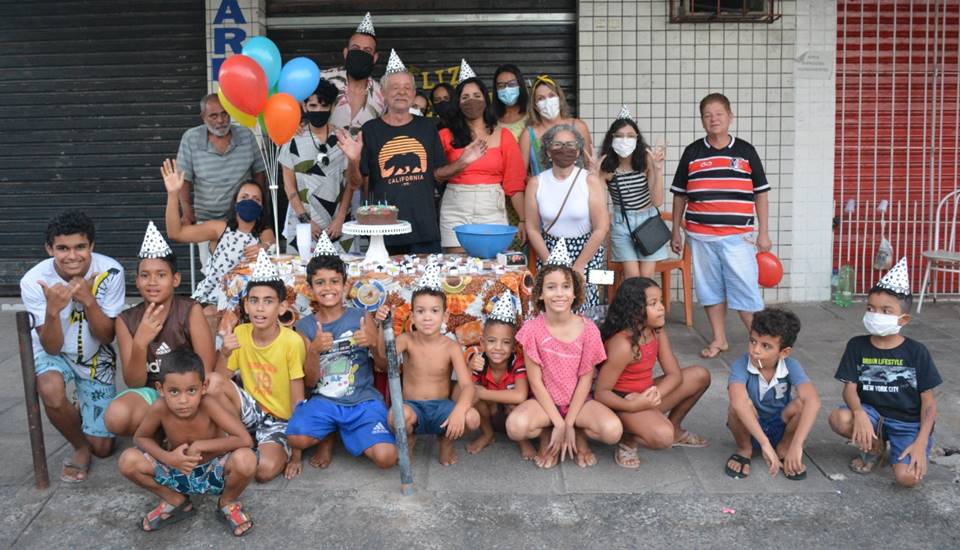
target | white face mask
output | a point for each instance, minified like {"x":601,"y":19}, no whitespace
{"x":624,"y":146}
{"x":415,"y":111}
{"x":549,"y":107}
{"x":881,"y":324}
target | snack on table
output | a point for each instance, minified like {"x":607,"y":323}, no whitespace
{"x":377,"y":214}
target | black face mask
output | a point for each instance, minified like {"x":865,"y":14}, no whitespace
{"x":444,"y":109}
{"x":318,"y":119}
{"x":359,"y":64}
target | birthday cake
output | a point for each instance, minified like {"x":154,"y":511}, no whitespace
{"x":377,"y":214}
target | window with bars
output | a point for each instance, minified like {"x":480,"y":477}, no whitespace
{"x":712,"y":11}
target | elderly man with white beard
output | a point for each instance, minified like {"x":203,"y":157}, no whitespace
{"x":215,"y":157}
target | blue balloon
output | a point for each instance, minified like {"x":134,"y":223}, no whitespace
{"x":262,"y":50}
{"x":299,"y":78}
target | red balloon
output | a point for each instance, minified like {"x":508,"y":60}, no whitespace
{"x":244,"y":83}
{"x":770,"y":269}
{"x":281,"y":116}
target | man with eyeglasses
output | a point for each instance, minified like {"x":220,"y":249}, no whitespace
{"x":215,"y":158}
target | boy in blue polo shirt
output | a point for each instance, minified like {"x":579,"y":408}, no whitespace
{"x":764,"y":412}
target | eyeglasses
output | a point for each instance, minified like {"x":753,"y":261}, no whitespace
{"x":508,"y":84}
{"x":557,"y":145}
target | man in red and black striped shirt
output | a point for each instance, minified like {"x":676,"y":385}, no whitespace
{"x":721,"y":188}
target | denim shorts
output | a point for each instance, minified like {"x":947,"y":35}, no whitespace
{"x":725,"y":270}
{"x":93,"y":396}
{"x":900,"y":434}
{"x":621,"y":244}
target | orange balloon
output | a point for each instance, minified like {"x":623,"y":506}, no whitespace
{"x":281,"y":115}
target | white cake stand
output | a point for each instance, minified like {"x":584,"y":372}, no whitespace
{"x":377,"y":252}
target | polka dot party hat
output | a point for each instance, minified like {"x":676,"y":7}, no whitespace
{"x":897,"y":279}
{"x":559,"y":254}
{"x":366,"y":26}
{"x":394,"y":65}
{"x":430,"y":278}
{"x":465,"y":72}
{"x":324,"y":246}
{"x":154,"y":245}
{"x":264,"y":270}
{"x":504,"y":310}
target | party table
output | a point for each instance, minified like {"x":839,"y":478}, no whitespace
{"x":471,"y":285}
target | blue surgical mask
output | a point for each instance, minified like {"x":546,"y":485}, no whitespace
{"x":509,"y":95}
{"x":249,"y":210}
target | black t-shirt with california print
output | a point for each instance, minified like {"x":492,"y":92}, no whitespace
{"x":889,"y":380}
{"x":400,"y":161}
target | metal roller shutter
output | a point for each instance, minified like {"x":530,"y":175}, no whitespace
{"x":94,"y":94}
{"x":898,"y":98}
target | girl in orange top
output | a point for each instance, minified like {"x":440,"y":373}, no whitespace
{"x":477,"y":193}
{"x":651,"y":409}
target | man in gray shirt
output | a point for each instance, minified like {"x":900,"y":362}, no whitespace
{"x":215,"y":158}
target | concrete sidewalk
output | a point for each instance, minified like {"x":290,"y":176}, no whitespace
{"x":679,"y":497}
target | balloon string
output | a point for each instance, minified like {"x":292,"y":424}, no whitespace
{"x":269,"y":153}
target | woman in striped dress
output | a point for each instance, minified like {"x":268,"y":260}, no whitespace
{"x":634,"y":176}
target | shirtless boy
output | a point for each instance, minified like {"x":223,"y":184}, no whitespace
{"x":209,"y":449}
{"x":430,"y":357}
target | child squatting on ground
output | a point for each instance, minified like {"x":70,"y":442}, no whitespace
{"x":344,"y":345}
{"x":208,"y":449}
{"x":764,"y":412}
{"x":888,"y":382}
{"x":161,"y":323}
{"x":560,"y":351}
{"x":430,"y":358}
{"x":651,"y":409}
{"x":270,"y":360}
{"x":499,"y":375}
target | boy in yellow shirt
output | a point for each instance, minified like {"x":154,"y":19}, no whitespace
{"x":270,"y":360}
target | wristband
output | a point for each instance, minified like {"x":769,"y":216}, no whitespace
{"x":303,"y":218}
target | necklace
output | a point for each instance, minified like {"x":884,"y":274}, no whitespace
{"x":321,"y":151}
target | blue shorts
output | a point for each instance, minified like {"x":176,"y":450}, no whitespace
{"x":431,"y":414}
{"x":900,"y":434}
{"x":726,"y":271}
{"x":93,"y":396}
{"x":773,"y":428}
{"x":622,"y":248}
{"x":361,"y":426}
{"x":205,"y":479}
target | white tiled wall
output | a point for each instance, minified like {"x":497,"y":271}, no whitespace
{"x":629,"y":53}
{"x":253,"y":13}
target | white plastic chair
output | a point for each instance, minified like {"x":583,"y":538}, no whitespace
{"x":944,"y":257}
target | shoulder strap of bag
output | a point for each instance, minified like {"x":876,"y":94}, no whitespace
{"x":564,"y":203}
{"x":623,"y":209}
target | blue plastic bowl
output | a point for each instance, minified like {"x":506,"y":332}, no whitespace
{"x":485,"y":240}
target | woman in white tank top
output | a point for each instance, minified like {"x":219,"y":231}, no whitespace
{"x":581,"y":218}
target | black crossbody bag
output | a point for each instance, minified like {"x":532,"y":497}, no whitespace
{"x":650,"y":235}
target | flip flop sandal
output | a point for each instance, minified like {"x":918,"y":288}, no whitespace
{"x":156,"y":520}
{"x":80,"y":468}
{"x":626,"y":457}
{"x":692,"y":440}
{"x":742,"y":461}
{"x":796,"y":477}
{"x":869,"y":462}
{"x":232,"y":515}
{"x":708,"y":352}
